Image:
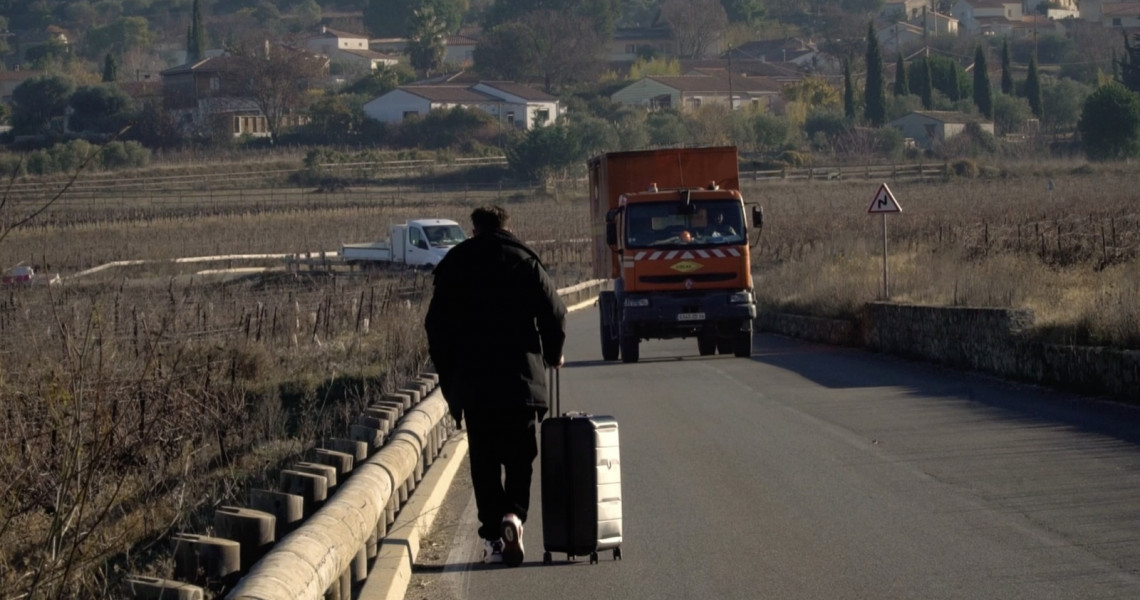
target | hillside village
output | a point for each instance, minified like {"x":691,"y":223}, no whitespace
{"x":677,"y":72}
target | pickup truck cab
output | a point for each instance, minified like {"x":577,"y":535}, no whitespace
{"x":416,"y":243}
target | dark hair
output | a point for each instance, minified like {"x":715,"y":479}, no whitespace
{"x":489,"y":218}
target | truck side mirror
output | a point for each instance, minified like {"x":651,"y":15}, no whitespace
{"x":757,"y":217}
{"x":611,"y":228}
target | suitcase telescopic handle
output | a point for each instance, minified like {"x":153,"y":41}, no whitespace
{"x":555,"y":391}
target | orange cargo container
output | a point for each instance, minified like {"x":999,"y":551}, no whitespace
{"x":670,"y":231}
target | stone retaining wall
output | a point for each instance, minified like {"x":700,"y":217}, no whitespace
{"x":982,"y":339}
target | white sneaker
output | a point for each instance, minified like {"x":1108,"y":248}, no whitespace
{"x":492,"y":551}
{"x":512,"y":540}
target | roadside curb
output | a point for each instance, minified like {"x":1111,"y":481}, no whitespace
{"x":392,"y":570}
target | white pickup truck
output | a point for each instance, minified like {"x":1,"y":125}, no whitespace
{"x":417,"y":243}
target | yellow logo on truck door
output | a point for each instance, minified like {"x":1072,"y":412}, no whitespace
{"x":686,"y":266}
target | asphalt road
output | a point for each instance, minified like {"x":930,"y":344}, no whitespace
{"x":821,"y":473}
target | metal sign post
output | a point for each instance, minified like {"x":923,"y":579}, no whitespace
{"x":884,"y":202}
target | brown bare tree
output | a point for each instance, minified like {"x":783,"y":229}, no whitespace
{"x":696,"y":25}
{"x":275,"y":77}
{"x":572,"y":48}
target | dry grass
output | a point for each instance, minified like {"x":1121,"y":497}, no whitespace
{"x":132,"y":411}
{"x":1070,"y":253}
{"x":138,"y":399}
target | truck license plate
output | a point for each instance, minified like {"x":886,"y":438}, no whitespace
{"x":691,"y":317}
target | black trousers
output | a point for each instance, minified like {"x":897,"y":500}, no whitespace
{"x":501,"y":448}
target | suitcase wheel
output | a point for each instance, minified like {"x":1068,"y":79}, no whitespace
{"x":547,"y":558}
{"x":593,"y":558}
{"x":617,"y":553}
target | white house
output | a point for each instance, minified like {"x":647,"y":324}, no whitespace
{"x":628,"y":42}
{"x":692,"y":92}
{"x":937,"y":23}
{"x":459,"y":50}
{"x":512,"y":104}
{"x":932,"y":128}
{"x":1120,"y":15}
{"x":897,"y":36}
{"x":993,"y":17}
{"x":349,"y":48}
{"x":797,"y":51}
{"x":902,"y":10}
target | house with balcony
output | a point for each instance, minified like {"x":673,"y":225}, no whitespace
{"x":203,"y":98}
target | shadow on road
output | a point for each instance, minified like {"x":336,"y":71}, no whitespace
{"x":845,"y":368}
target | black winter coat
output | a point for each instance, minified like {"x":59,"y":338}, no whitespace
{"x":494,"y":323}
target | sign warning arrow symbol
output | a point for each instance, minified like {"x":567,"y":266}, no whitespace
{"x":884,"y":202}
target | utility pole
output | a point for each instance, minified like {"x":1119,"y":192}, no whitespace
{"x":731,"y":99}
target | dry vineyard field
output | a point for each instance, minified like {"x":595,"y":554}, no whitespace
{"x":136,"y":399}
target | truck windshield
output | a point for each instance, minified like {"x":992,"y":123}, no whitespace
{"x":444,"y":235}
{"x":714,"y":223}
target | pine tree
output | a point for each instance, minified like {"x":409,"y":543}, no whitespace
{"x":1006,"y":69}
{"x":1033,"y":89}
{"x":110,"y":69}
{"x":196,"y":36}
{"x":983,"y":96}
{"x":902,"y":86}
{"x":848,"y":91}
{"x":875,"y":95}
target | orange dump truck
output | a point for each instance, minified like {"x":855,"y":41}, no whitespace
{"x":671,"y":232}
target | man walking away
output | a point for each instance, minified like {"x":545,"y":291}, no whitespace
{"x":494,"y":323}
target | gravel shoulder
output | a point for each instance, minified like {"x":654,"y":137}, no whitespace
{"x":448,"y":550}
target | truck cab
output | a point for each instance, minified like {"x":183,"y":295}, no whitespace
{"x":424,"y":242}
{"x":416,"y":243}
{"x":676,"y":251}
{"x":684,"y":271}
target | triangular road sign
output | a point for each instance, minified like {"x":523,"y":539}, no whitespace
{"x":884,"y":201}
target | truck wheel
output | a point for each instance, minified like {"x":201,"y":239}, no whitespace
{"x":706,"y":343}
{"x":606,"y":307}
{"x":609,"y":343}
{"x":724,"y":345}
{"x":742,"y":344}
{"x":630,"y":348}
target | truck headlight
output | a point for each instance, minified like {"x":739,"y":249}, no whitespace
{"x":635,"y":302}
{"x":744,"y":297}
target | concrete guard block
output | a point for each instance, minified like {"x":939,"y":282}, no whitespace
{"x":153,"y":588}
{"x":287,"y":509}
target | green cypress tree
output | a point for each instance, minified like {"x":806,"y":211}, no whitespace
{"x":926,"y":84}
{"x":110,"y":69}
{"x":848,"y":91}
{"x":983,"y":96}
{"x":196,"y":37}
{"x":875,"y":94}
{"x":1006,"y":69}
{"x":1033,"y":89}
{"x":1129,"y":65}
{"x":902,"y":86}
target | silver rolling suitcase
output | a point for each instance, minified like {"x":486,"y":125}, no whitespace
{"x":581,"y":483}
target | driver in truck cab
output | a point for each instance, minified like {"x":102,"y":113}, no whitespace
{"x":718,"y":227}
